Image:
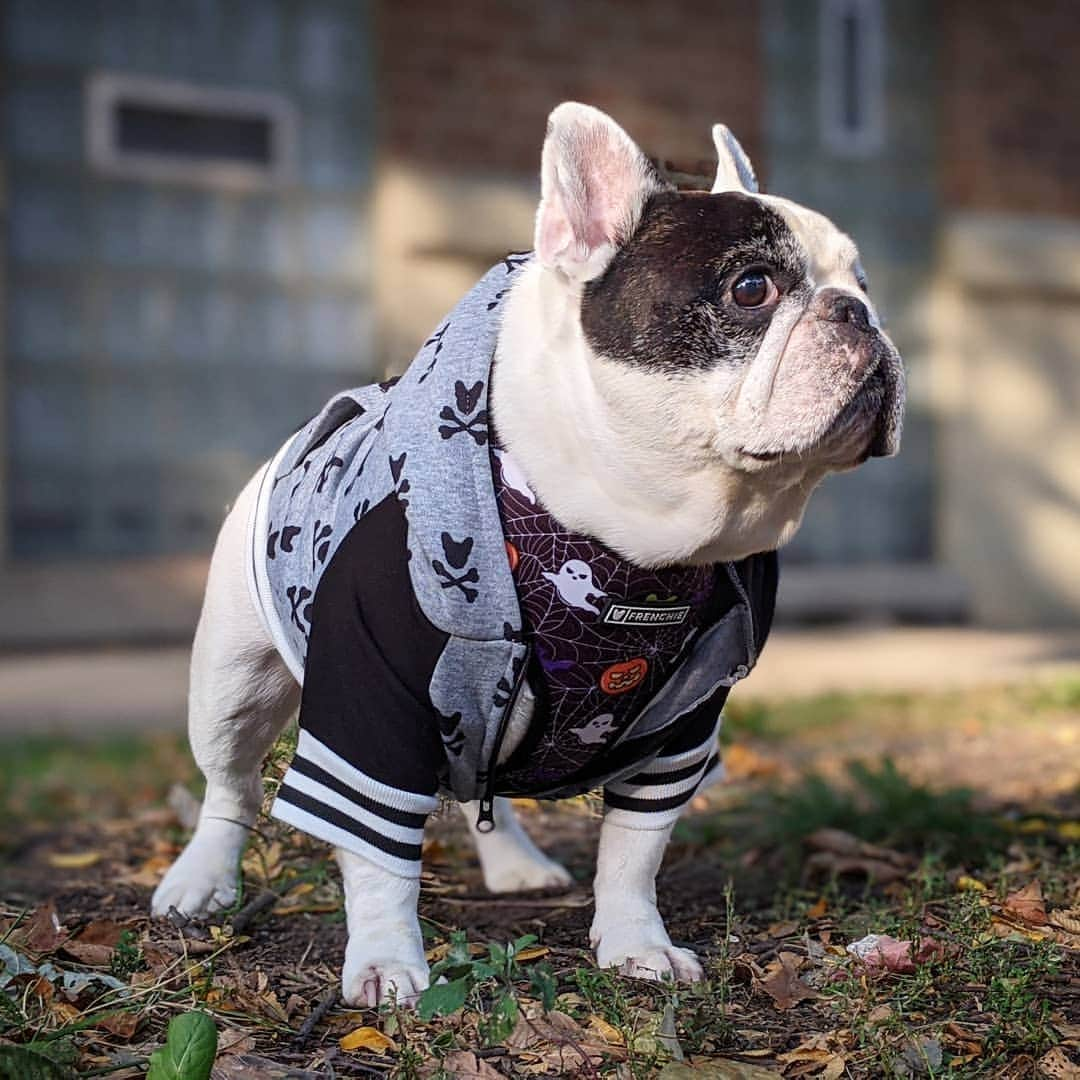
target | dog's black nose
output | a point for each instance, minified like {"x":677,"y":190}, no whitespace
{"x":835,"y":305}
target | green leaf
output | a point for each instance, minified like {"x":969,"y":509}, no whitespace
{"x":544,"y":985}
{"x":503,"y":1018}
{"x":188,"y":1053}
{"x":524,"y":942}
{"x":440,"y":999}
{"x":21,"y":1063}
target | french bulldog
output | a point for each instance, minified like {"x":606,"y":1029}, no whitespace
{"x":664,"y":382}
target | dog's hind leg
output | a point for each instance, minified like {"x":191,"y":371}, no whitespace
{"x":241,"y":696}
{"x":510,"y":861}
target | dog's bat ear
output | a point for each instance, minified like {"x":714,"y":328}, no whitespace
{"x":733,"y":169}
{"x":594,"y":182}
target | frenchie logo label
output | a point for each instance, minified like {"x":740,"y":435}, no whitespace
{"x":639,"y":613}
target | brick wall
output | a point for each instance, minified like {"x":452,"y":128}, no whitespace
{"x":468,"y":85}
{"x":1011,"y":82}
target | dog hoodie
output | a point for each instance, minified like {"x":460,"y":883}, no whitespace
{"x":412,"y":583}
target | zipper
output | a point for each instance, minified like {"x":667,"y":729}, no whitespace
{"x":748,"y":629}
{"x":485,"y":819}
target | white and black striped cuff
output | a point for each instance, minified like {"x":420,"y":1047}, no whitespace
{"x":654,"y":797}
{"x":322,"y":794}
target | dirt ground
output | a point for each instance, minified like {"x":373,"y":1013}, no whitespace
{"x":770,"y":912}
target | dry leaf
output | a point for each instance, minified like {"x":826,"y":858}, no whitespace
{"x":96,"y":943}
{"x":253,"y":1067}
{"x":559,"y":1042}
{"x":606,"y":1031}
{"x":741,"y":762}
{"x":1055,"y":1065}
{"x":367,"y":1038}
{"x":819,"y":909}
{"x":43,"y":933}
{"x":782,"y":983}
{"x":122,"y":1024}
{"x":532,"y":953}
{"x":1067,"y":920}
{"x":465,"y":1065}
{"x":1027,"y":904}
{"x":73,"y":860}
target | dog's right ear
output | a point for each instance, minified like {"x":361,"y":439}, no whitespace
{"x":594,"y":182}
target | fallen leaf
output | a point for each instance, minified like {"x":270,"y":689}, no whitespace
{"x":1055,"y":1065}
{"x":609,"y":1033}
{"x":253,"y":1067}
{"x":969,"y":884}
{"x":96,"y":943}
{"x":465,"y":1065}
{"x":367,"y":1038}
{"x":741,"y":762}
{"x":534,"y":952}
{"x":122,"y":1024}
{"x":819,"y":909}
{"x":1067,"y":920}
{"x":559,"y":1042}
{"x":782,"y":983}
{"x":43,"y":933}
{"x":1027,"y":904}
{"x":73,"y":860}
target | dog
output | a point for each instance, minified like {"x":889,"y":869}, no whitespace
{"x":537,"y":562}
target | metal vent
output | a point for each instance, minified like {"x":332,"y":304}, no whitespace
{"x":156,"y":130}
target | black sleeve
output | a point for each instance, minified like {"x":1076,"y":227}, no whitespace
{"x":371,"y":653}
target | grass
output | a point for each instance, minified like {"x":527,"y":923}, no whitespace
{"x":993,"y":995}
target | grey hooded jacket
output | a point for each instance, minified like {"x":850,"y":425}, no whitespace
{"x":418,"y":447}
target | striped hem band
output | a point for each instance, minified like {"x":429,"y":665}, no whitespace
{"x":325,"y":796}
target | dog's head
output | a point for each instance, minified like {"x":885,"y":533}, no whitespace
{"x":740,"y":321}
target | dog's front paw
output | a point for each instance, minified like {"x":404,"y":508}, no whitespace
{"x":204,"y":879}
{"x":383,"y":966}
{"x":666,"y":963}
{"x":639,"y":946}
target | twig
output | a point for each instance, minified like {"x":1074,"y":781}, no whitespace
{"x":246,"y":915}
{"x":327,"y":1000}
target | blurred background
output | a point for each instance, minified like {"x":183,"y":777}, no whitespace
{"x":215,"y":213}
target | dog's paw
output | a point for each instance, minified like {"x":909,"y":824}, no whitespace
{"x":520,"y":871}
{"x":637,"y":944}
{"x":372,"y":975}
{"x":194,"y":890}
{"x":666,"y":963}
{"x":204,"y":879}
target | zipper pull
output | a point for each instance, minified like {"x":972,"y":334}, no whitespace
{"x":485,"y":820}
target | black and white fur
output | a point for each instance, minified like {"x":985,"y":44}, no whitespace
{"x":645,"y":408}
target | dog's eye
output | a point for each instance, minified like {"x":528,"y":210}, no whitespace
{"x":753,"y":289}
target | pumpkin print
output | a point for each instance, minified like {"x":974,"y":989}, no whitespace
{"x":513,"y":556}
{"x":624,"y":676}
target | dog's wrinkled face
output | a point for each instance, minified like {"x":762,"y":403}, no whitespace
{"x":763,"y":303}
{"x":748,"y":313}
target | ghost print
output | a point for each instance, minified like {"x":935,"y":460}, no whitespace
{"x":574,"y":584}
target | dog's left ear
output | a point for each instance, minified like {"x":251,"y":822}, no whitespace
{"x":594,"y":182}
{"x":733,"y":169}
